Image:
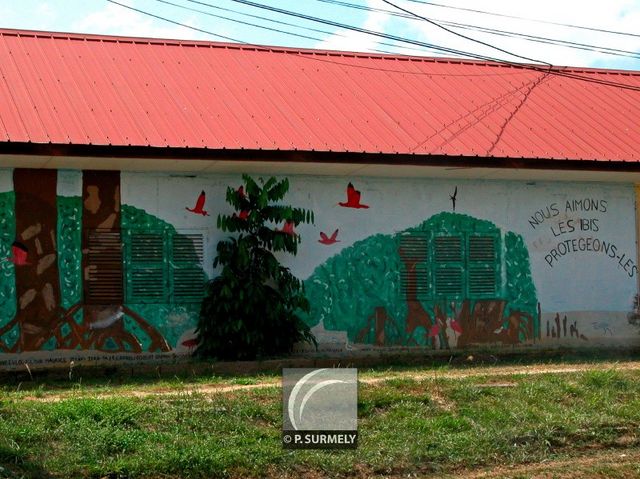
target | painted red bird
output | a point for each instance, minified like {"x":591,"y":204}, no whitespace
{"x":287,"y":229}
{"x":241,"y":191}
{"x":455,"y":325}
{"x":190,"y":343}
{"x":434,"y":331}
{"x":353,"y":198}
{"x":198,"y":209}
{"x":243,"y":215}
{"x":324,"y":239}
{"x":19,"y":254}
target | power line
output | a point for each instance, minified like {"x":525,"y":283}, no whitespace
{"x":353,"y":28}
{"x":548,"y":40}
{"x":464,"y":36}
{"x":241,"y":42}
{"x":364,"y":30}
{"x":280,"y":22}
{"x":222,"y":17}
{"x":224,"y":37}
{"x":492,"y":31}
{"x":547,"y":22}
{"x":560,"y":73}
{"x":556,"y":72}
{"x":258,"y":17}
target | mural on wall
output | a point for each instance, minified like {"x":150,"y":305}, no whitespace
{"x":88,"y":273}
{"x":114,"y":262}
{"x":452,"y":281}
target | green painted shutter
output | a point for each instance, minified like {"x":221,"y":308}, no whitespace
{"x":483,"y":265}
{"x":448,"y":263}
{"x":187,"y":275}
{"x":147,"y":275}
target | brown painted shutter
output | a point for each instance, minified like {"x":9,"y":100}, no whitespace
{"x":101,"y":240}
{"x":414,"y":276}
{"x":104,"y":267}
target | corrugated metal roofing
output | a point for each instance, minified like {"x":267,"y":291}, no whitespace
{"x":99,"y":90}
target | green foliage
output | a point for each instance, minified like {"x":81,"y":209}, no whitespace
{"x":7,"y":269}
{"x":252,"y":309}
{"x":345,"y":290}
{"x":69,"y":230}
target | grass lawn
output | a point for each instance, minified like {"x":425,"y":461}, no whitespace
{"x":553,"y":421}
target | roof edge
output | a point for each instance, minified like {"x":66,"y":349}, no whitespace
{"x":320,"y":157}
{"x":291,"y":50}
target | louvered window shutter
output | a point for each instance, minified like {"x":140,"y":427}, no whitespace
{"x":449,"y":277}
{"x":104,"y":261}
{"x":147,"y":276}
{"x":415,"y":251}
{"x":483,"y":265}
{"x":187,"y":275}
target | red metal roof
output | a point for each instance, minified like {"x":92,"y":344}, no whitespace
{"x":100,"y":90}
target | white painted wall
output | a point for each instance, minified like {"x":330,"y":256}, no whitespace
{"x":590,"y":287}
{"x":581,"y":281}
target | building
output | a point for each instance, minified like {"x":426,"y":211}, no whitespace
{"x":496,"y":205}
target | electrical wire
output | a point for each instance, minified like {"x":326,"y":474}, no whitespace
{"x":280,"y":22}
{"x":480,"y":42}
{"x":257,"y":17}
{"x":493,"y":31}
{"x":515,"y":17}
{"x":555,"y":72}
{"x":364,"y":30}
{"x":224,"y":37}
{"x":222,"y":17}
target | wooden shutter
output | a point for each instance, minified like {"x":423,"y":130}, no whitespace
{"x":147,"y":268}
{"x":482,"y":265}
{"x":448,"y":263}
{"x":104,"y":267}
{"x":187,"y":275}
{"x":414,"y":251}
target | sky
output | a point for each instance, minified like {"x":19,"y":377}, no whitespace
{"x":206,"y":19}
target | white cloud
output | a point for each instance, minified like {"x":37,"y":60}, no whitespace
{"x":349,"y":40}
{"x":116,"y":20}
{"x":45,"y":10}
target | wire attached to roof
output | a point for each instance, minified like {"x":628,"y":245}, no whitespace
{"x":515,"y":17}
{"x":480,"y":42}
{"x":555,"y":72}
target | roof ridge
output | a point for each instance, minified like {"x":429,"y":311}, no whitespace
{"x":289,"y":50}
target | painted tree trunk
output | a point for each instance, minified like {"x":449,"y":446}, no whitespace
{"x":101,"y":242}
{"x":37,"y":279}
{"x":103,"y":281}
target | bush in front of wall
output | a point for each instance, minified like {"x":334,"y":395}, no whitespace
{"x":254,"y":308}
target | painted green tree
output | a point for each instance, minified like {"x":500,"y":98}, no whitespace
{"x":171,"y":320}
{"x":367,"y":283}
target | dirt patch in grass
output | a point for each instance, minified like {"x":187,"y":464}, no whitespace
{"x":466,"y":372}
{"x":596,"y":464}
